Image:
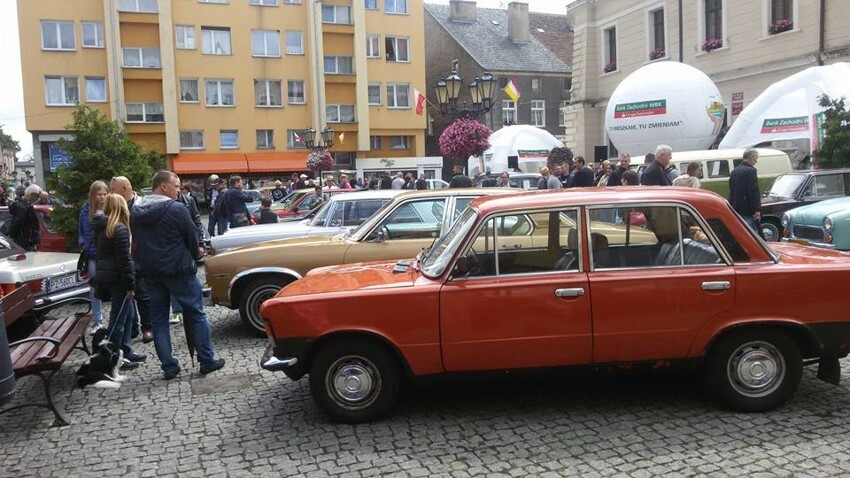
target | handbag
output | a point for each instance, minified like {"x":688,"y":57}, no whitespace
{"x":240,"y":219}
{"x":83,"y":263}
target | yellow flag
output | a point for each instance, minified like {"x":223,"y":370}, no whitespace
{"x":342,"y":138}
{"x":512,"y":90}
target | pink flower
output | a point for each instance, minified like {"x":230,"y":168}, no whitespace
{"x":464,"y":138}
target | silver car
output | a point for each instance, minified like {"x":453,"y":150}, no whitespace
{"x":340,"y":213}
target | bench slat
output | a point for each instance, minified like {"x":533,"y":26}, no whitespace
{"x":16,"y":304}
{"x":69,"y":331}
{"x":28,"y":352}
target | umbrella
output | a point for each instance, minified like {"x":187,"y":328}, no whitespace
{"x":189,"y":331}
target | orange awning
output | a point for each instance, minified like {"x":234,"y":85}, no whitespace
{"x":275,"y":162}
{"x":208,"y":163}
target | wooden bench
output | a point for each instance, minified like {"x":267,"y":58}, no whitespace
{"x":46,"y":349}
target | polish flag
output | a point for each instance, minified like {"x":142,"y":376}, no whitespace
{"x":297,"y":138}
{"x":419,"y":100}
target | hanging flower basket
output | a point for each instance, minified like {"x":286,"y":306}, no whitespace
{"x":657,"y":53}
{"x":321,"y":160}
{"x":464,"y":138}
{"x":712,"y":44}
{"x":781,"y":25}
{"x":611,"y":66}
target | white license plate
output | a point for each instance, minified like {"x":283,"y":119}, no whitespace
{"x":61,"y":282}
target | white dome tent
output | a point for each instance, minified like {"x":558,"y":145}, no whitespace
{"x":529,"y":144}
{"x":788,"y":110}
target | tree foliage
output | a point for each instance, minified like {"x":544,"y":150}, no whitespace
{"x":834,"y":150}
{"x":558,"y":156}
{"x":99,"y":149}
{"x":7,"y":143}
{"x":464,"y":138}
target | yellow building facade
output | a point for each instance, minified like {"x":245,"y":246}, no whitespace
{"x":227,"y":86}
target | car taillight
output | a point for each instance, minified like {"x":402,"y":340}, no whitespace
{"x":7,"y":289}
{"x":36,"y":285}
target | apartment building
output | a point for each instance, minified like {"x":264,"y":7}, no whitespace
{"x":226,"y":86}
{"x":743,"y":46}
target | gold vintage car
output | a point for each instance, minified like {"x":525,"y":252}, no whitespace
{"x":245,"y":277}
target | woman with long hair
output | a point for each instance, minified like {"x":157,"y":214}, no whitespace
{"x":94,"y":206}
{"x":116,"y":274}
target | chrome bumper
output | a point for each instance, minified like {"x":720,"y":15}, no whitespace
{"x":273,"y":364}
{"x":80,"y":291}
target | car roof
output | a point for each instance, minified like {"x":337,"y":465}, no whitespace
{"x":367,"y":194}
{"x":454,"y":192}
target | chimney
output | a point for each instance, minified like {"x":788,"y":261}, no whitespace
{"x":463,"y":11}
{"x":518,"y":22}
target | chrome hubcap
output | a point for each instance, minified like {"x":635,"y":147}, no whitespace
{"x":756,"y":369}
{"x":258,"y":297}
{"x":353,"y":382}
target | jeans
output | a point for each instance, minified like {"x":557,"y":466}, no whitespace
{"x":96,"y":306}
{"x":186,"y":290}
{"x":121,"y":326}
{"x":143,"y":302}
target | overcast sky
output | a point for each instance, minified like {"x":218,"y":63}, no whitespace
{"x":11,"y":89}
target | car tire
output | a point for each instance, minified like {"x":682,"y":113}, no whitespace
{"x":252,"y":297}
{"x":354,"y":380}
{"x":771,"y":231}
{"x":754,"y":370}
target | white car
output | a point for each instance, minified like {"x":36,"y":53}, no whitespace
{"x":340,"y":213}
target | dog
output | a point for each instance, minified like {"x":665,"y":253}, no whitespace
{"x":101,"y":368}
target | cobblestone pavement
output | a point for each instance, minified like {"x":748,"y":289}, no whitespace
{"x":244,"y":422}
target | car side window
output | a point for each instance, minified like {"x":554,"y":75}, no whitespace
{"x":654,"y":236}
{"x":828,"y":185}
{"x":503,"y":246}
{"x":718,"y":168}
{"x":460,"y":205}
{"x":360,"y":211}
{"x":413,"y":220}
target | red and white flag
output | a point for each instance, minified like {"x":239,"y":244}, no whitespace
{"x":419,"y":100}
{"x":297,"y":138}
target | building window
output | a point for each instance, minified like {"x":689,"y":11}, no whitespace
{"x":781,"y":16}
{"x":375,"y":143}
{"x":265,"y":43}
{"x":399,"y":142}
{"x":215,"y":41}
{"x":95,"y":90}
{"x":268,"y":93}
{"x":214,"y":1}
{"x":58,"y":36}
{"x":145,"y":113}
{"x":338,"y":65}
{"x":657,"y":43}
{"x":395,"y":6}
{"x":92,"y":34}
{"x":297,"y":92}
{"x":398,"y":96}
{"x":294,"y":43}
{"x":141,"y":58}
{"x":229,"y":139}
{"x":185,"y":37}
{"x":192,"y":139}
{"x":373,"y":46}
{"x":265,"y":139}
{"x":61,"y":90}
{"x":340,"y":113}
{"x":137,"y":6}
{"x":293,"y":2}
{"x":336,"y":14}
{"x":371,"y":4}
{"x":374,"y":94}
{"x":538,"y":113}
{"x":189,"y":91}
{"x":291,"y":142}
{"x":398,"y":49}
{"x":562,"y":113}
{"x":535,"y":84}
{"x":266,"y":3}
{"x":568,"y":84}
{"x":508,"y":112}
{"x":609,"y":38}
{"x":219,"y":92}
{"x":713,"y":19}
{"x":344,"y":158}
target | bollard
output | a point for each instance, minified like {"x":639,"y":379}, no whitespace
{"x":7,"y":375}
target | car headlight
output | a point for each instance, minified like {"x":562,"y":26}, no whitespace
{"x":827,"y":224}
{"x":785,"y":220}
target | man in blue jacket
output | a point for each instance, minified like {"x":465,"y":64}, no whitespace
{"x":234,"y":203}
{"x":166,"y":248}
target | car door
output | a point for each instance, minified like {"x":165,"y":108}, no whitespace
{"x":517,"y":308}
{"x":650,"y":297}
{"x":403,"y":232}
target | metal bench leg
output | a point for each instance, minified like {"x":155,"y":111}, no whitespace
{"x":84,"y":347}
{"x":59,"y":419}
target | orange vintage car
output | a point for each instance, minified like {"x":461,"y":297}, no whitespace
{"x":582,"y":287}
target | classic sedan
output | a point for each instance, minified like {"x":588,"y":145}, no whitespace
{"x":704,"y":291}
{"x":341,"y":213}
{"x":825,"y":224}
{"x":247,"y":276}
{"x":796,"y":189}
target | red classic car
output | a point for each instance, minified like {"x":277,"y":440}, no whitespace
{"x":51,"y":241}
{"x":559,"y":278}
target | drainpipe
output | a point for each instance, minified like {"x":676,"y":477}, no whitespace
{"x":681,"y":39}
{"x":822,"y":32}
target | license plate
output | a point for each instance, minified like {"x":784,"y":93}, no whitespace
{"x":802,"y":242}
{"x":61,"y":282}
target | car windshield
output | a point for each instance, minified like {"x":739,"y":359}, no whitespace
{"x":787,"y":185}
{"x":322,"y":215}
{"x":438,"y":258}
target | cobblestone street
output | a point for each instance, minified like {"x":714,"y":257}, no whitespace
{"x":241,"y":421}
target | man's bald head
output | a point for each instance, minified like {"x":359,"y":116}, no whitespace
{"x":121,"y":185}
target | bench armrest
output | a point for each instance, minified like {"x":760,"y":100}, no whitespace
{"x":55,"y":342}
{"x":70,"y":300}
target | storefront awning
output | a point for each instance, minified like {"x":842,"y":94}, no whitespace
{"x":275,"y":162}
{"x":207,"y":163}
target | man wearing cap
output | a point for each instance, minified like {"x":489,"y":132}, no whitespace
{"x":278,"y":192}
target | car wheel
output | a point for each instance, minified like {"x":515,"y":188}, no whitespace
{"x":354,"y":380}
{"x":253,"y":295}
{"x":754,"y":370}
{"x":770,"y":231}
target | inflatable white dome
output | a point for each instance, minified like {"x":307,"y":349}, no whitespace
{"x":530,"y":144}
{"x":664,"y":103}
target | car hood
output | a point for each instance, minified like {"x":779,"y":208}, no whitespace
{"x":316,"y":240}
{"x":263,"y":232}
{"x":815,"y":213}
{"x":353,"y":277}
{"x":773,"y":201}
{"x":790,"y":253}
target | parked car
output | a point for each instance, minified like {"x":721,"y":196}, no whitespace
{"x":704,"y":291}
{"x":795,"y":189}
{"x":824,"y":224}
{"x":245,"y":277}
{"x":436,"y":184}
{"x":305,"y":201}
{"x":339,"y":214}
{"x":50,"y":240}
{"x":517,"y":179}
{"x":52,"y":276}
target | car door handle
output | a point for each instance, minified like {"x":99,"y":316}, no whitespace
{"x":718,"y":285}
{"x":576,"y":292}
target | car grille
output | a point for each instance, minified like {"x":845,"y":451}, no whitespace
{"x":809,"y":232}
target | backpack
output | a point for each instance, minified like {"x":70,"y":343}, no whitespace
{"x":220,"y":210}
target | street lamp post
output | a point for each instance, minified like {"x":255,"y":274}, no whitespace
{"x":308,"y":137}
{"x":481,"y":91}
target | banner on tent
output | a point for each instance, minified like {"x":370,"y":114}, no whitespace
{"x":532,"y":154}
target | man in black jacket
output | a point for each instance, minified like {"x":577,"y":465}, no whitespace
{"x":744,"y":190}
{"x":583,"y":176}
{"x":234,"y":203}
{"x":460,"y":180}
{"x":166,"y":248}
{"x":655,"y":174}
{"x":616,"y":176}
{"x":23,"y":226}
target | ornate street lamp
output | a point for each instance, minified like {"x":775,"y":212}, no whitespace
{"x":481,"y":91}
{"x":308,"y":137}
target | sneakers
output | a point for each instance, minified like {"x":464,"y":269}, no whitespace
{"x":212,"y":366}
{"x":94,"y":328}
{"x":129,"y":365}
{"x":147,"y":337}
{"x":168,"y":375}
{"x":136,"y":357}
{"x":175,"y":318}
